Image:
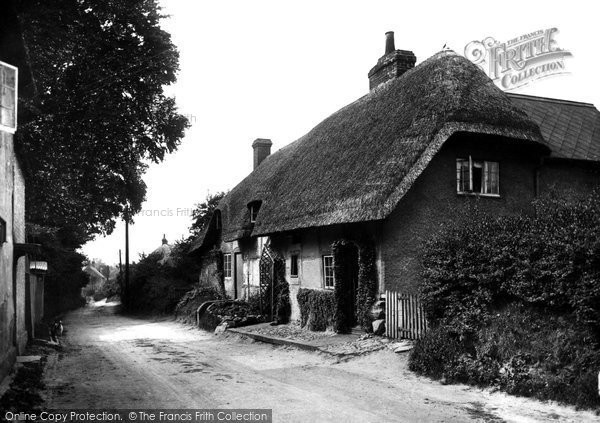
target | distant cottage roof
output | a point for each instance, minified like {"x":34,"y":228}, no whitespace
{"x":571,"y":129}
{"x":92,"y":271}
{"x":358,"y":163}
{"x":164,"y":251}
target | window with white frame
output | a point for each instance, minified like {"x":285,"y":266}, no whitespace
{"x":8,"y":97}
{"x":294,"y":266}
{"x":477,"y":177}
{"x":328,"y":275}
{"x":227,"y":265}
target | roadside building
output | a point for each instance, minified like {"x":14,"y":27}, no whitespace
{"x":392,"y":168}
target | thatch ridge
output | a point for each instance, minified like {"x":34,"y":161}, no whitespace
{"x":359,"y":162}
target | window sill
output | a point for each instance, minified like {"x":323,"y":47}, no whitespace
{"x":477,"y":194}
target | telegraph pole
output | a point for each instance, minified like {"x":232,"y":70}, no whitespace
{"x":127,"y":257}
{"x":120,"y":265}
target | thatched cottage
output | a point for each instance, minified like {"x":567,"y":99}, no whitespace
{"x":391,"y":168}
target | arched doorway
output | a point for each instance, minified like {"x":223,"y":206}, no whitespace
{"x":346,"y":256}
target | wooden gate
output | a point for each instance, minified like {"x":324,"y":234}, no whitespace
{"x":404,"y":316}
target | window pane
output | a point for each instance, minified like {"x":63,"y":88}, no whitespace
{"x":329,"y":279}
{"x":8,"y":98}
{"x":10,"y":76}
{"x":227,"y":265}
{"x":477,"y":177}
{"x":492,"y":178}
{"x":294,"y":265}
{"x":462,"y":175}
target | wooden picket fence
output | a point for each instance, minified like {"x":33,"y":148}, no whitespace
{"x":404,"y":316}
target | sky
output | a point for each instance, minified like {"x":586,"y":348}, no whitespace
{"x":275,"y":69}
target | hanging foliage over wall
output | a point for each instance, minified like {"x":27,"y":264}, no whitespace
{"x":367,"y":286}
{"x":344,"y":311}
{"x":317,"y":308}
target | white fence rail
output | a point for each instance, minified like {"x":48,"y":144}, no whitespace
{"x":404,"y":316}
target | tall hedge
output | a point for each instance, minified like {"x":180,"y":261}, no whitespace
{"x":514,"y":302}
{"x":549,"y":259}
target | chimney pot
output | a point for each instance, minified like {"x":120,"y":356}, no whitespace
{"x":392,"y":64}
{"x":262,"y":149}
{"x":389,"y":42}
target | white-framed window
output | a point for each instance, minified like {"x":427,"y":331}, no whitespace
{"x":227,"y":265}
{"x":9,"y":76}
{"x":294,"y":268}
{"x":328,"y":274}
{"x":477,"y":177}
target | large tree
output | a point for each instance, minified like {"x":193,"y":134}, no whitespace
{"x":97,"y":117}
{"x":100,"y":113}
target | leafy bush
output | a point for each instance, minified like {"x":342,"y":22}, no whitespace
{"x":434,"y":353}
{"x":516,"y":302}
{"x":367,"y":286}
{"x":548,"y":259}
{"x":153,"y":288}
{"x":189,"y":303}
{"x":283,"y":307}
{"x":317,"y":308}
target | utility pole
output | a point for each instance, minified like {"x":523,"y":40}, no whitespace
{"x":127,"y":257}
{"x":120,"y":266}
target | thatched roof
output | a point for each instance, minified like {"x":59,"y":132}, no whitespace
{"x":93,"y":272}
{"x":358,"y":163}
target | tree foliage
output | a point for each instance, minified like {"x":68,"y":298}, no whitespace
{"x":100,"y":113}
{"x":203,"y":212}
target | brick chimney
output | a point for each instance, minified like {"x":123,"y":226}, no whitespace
{"x":392,"y":64}
{"x":262,"y":149}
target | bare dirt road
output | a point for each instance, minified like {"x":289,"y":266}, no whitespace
{"x":113,"y":361}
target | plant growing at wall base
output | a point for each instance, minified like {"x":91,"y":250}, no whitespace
{"x":354,"y":310}
{"x":367,"y":286}
{"x":317,"y":308}
{"x":283,"y":308}
{"x":344,"y":313}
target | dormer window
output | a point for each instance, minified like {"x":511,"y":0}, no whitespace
{"x":254,"y":207}
{"x":8,"y":97}
{"x":477,"y":177}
